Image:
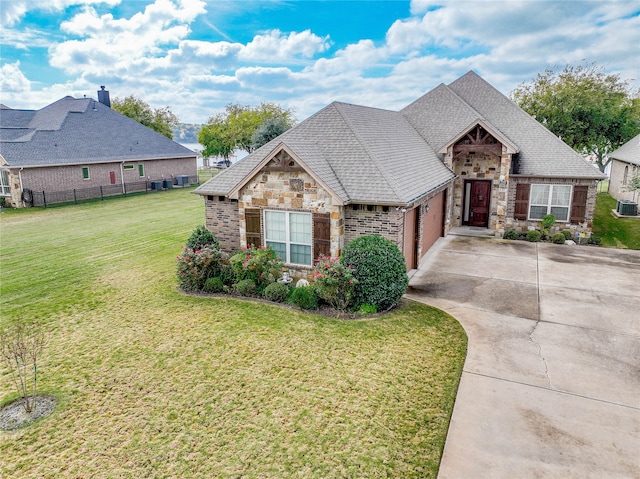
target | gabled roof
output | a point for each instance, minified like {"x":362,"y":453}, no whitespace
{"x":362,"y":155}
{"x":73,"y":131}
{"x":629,"y":152}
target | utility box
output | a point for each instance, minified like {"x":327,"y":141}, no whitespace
{"x":627,"y":208}
{"x":182,"y":180}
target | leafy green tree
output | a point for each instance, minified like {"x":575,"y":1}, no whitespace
{"x":591,"y":111}
{"x":234,"y":129}
{"x":161,"y":120}
{"x":268,"y":130}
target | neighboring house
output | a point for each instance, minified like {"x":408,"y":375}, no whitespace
{"x":83,"y":146}
{"x":625,"y":164}
{"x":463,"y":154}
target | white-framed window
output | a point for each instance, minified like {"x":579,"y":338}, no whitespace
{"x":5,"y":189}
{"x":85,"y":173}
{"x":550,"y":200}
{"x":288,"y":233}
{"x":140,"y":170}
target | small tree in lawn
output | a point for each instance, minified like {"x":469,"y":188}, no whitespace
{"x":633,"y":185}
{"x":20,"y":346}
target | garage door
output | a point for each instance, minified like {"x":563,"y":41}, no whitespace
{"x":433,"y":222}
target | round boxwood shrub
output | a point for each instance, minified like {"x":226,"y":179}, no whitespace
{"x":511,"y":235}
{"x":595,"y":240}
{"x":380,"y":271}
{"x":534,"y":236}
{"x":304,"y":297}
{"x":558,"y":238}
{"x":213,"y":285}
{"x":202,"y":237}
{"x":277,"y":292}
{"x":246,"y":287}
{"x":567,"y":234}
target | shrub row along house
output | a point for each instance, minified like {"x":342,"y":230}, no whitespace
{"x":463,"y":154}
{"x":82,"y":145}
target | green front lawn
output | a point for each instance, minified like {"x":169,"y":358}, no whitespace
{"x":155,"y":383}
{"x":615,"y":232}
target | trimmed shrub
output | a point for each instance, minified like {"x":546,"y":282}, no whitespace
{"x":246,"y":287}
{"x":534,"y":236}
{"x":595,"y":240}
{"x":366,"y":309}
{"x":379,"y":268}
{"x":202,"y":237}
{"x":277,"y":292}
{"x":511,"y":235}
{"x":558,"y":238}
{"x":196,"y":266}
{"x":334,"y":282}
{"x":567,"y":234}
{"x":260,"y":265}
{"x":547,"y":222}
{"x":213,"y":285}
{"x":304,"y":297}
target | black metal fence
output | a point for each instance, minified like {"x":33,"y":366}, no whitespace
{"x":47,"y":198}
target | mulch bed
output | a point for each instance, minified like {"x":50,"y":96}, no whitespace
{"x":13,"y":415}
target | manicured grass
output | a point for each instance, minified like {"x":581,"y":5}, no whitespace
{"x":155,"y":383}
{"x":615,"y":232}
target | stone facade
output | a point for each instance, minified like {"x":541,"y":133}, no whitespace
{"x":481,"y":167}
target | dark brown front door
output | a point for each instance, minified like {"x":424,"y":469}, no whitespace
{"x":477,"y":196}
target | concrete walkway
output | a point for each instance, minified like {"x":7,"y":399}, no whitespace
{"x":551,"y":384}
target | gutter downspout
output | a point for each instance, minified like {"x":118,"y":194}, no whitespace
{"x":20,"y":181}
{"x":124,"y":192}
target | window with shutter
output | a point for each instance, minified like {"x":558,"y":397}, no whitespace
{"x":579,"y":204}
{"x":522,"y":201}
{"x":321,"y":234}
{"x":252,"y":217}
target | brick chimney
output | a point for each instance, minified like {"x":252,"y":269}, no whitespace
{"x":103,"y":96}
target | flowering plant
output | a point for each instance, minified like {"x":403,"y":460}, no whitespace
{"x":258,"y":264}
{"x":334,"y":282}
{"x":196,"y":265}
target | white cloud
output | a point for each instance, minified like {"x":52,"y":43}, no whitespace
{"x":13,"y":11}
{"x":274,"y":46}
{"x":12,"y":79}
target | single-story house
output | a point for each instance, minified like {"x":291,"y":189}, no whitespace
{"x":462,"y":154}
{"x":625,"y":164}
{"x":82,"y":145}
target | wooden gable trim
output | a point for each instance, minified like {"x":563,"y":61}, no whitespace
{"x":511,"y":147}
{"x":303,"y":167}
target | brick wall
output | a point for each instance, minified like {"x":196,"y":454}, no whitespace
{"x":361,"y":220}
{"x":222,"y":220}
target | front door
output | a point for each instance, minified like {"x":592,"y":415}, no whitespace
{"x":477,"y":194}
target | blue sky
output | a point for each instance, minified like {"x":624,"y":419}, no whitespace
{"x":197,"y":56}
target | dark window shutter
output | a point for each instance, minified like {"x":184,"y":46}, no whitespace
{"x":522,"y":201}
{"x":252,"y":217}
{"x":321,"y":234}
{"x":579,"y":204}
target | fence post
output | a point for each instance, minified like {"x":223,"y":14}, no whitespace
{"x":124,"y":188}
{"x":44,"y":199}
{"x":101,"y":195}
{"x":75,"y":200}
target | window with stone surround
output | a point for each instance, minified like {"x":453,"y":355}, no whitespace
{"x":550,"y":200}
{"x":288,"y":233}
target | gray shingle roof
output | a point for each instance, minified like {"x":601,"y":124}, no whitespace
{"x":369,"y":155}
{"x":72,"y":131}
{"x":629,"y":152}
{"x":541,"y":152}
{"x":363,"y":155}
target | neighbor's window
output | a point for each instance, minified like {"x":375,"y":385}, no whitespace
{"x":85,"y":172}
{"x":288,"y":233}
{"x":550,"y":200}
{"x":128,"y":167}
{"x":5,"y":189}
{"x":625,"y":178}
{"x":140,"y":169}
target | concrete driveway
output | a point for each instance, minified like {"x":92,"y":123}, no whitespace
{"x":551,"y":384}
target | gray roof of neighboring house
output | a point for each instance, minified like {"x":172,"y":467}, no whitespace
{"x":363,"y":155}
{"x":629,"y":152}
{"x":72,"y":131}
{"x":369,"y":155}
